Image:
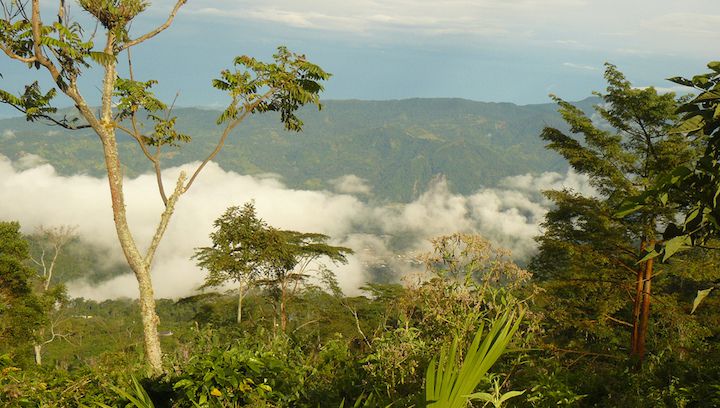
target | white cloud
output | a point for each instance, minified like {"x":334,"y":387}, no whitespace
{"x":683,"y":23}
{"x":426,"y":17}
{"x":579,"y":66}
{"x":649,"y":26}
{"x":509,"y":215}
{"x":8,"y":134}
{"x":532,"y":184}
{"x":351,"y":184}
{"x":28,"y":161}
{"x":677,"y":89}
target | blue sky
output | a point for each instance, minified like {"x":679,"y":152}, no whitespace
{"x":488,"y":50}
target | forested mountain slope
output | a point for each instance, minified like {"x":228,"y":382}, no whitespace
{"x":397,"y":146}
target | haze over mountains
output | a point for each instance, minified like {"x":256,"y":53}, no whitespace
{"x":379,"y":177}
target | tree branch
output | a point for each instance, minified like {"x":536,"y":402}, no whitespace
{"x":165,"y":219}
{"x":156,"y":31}
{"x":247,"y":110}
{"x":8,"y":51}
{"x":357,"y":323}
{"x":63,"y":123}
{"x":138,"y":138}
{"x":156,"y":158}
{"x":36,"y":22}
{"x":158,"y":176}
{"x":135,"y":134}
{"x":624,"y":323}
{"x":84,"y":109}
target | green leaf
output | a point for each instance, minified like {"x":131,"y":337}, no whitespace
{"x":708,"y":96}
{"x":628,"y":208}
{"x":701,"y":295}
{"x":663,"y":198}
{"x":511,"y":394}
{"x":101,"y":57}
{"x":692,"y":215}
{"x":650,"y":255}
{"x":674,"y":245}
{"x":681,"y":81}
{"x":447,"y":385}
{"x":679,"y":173}
{"x":481,"y":396}
{"x":690,"y":125}
{"x":714,"y":65}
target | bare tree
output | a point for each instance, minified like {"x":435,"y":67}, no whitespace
{"x":53,"y":335}
{"x":50,"y":242}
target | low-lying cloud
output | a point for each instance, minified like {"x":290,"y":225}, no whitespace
{"x":351,"y":184}
{"x":384,"y":237}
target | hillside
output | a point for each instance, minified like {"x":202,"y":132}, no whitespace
{"x":397,"y":146}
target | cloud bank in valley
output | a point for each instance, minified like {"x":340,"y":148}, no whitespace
{"x":34,"y":194}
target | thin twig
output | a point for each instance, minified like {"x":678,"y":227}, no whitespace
{"x":618,"y":321}
{"x":156,"y":31}
{"x":248,"y":109}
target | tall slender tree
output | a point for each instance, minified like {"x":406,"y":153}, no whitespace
{"x":584,"y":250}
{"x":65,"y":50}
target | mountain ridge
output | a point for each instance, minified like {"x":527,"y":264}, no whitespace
{"x":398,"y":146}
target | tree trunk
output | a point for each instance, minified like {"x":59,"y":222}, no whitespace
{"x":241,"y":295}
{"x":150,"y":320}
{"x":132,"y":255}
{"x":645,"y":312}
{"x":637,"y":304}
{"x":641,"y":310}
{"x":140,"y":268}
{"x":38,"y":354}
{"x":283,"y":312}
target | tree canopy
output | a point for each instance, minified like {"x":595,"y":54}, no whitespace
{"x":584,"y":250}
{"x":246,"y":251}
{"x":22,"y":310}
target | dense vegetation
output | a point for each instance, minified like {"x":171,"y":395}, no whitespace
{"x":602,"y":316}
{"x":574,"y":316}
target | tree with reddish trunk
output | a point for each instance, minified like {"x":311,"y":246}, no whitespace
{"x":593,"y":264}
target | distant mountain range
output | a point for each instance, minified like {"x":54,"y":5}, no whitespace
{"x":398,"y":147}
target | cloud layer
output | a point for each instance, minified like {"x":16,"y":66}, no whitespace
{"x":643,"y":25}
{"x":385,"y":237}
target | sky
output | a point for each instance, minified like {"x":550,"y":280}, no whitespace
{"x":489,"y":50}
